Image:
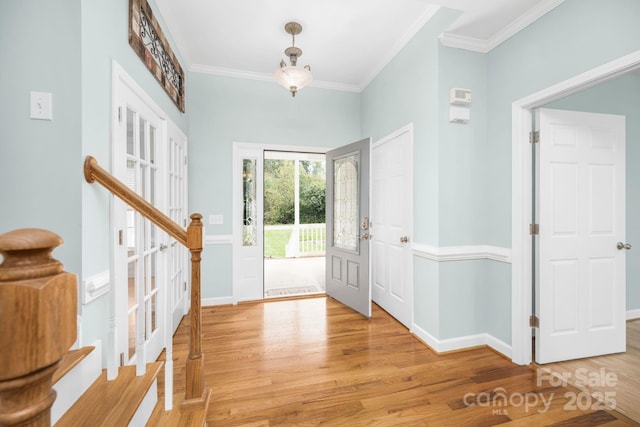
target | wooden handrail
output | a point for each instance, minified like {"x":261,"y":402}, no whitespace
{"x":195,"y":392}
{"x":94,"y":173}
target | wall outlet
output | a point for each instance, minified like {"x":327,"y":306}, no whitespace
{"x":216,"y":219}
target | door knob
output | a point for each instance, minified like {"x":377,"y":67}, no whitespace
{"x":364,"y":236}
{"x":163,"y":247}
{"x":404,"y":239}
{"x":622,"y":246}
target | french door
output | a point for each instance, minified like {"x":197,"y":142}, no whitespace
{"x":139,"y":266}
{"x":178,"y":272}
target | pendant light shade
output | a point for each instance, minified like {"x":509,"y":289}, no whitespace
{"x":292,"y":77}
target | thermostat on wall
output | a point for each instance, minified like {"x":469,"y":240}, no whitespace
{"x":460,"y":96}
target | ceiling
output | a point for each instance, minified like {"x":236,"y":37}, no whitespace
{"x":346,"y":42}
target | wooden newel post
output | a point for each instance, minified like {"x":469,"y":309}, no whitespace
{"x":195,"y":392}
{"x":38,"y":306}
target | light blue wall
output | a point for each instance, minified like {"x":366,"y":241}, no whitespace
{"x":64,"y":47}
{"x":462,"y":198}
{"x":451,"y":299}
{"x":575,"y":37}
{"x":407,"y":91}
{"x":620,"y":96}
{"x":223,"y":110}
{"x":105,"y":39}
{"x":40,"y":170}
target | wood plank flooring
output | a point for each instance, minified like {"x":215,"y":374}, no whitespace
{"x":309,"y":362}
{"x":615,"y":377}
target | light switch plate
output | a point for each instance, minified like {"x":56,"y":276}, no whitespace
{"x":41,"y":106}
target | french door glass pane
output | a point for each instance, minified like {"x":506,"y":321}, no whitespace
{"x":132,"y":333}
{"x":152,"y":144}
{"x":130,"y":134}
{"x":131,"y":293}
{"x":142,"y":140}
{"x":345,"y":203}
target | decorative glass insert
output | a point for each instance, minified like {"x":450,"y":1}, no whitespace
{"x":250,"y":226}
{"x":148,"y":41}
{"x":345,"y":202}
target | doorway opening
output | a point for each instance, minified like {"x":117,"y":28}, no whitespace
{"x":521,"y":190}
{"x":294,"y":186}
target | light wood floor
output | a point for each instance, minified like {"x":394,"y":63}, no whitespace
{"x":309,"y":362}
{"x":616,"y":376}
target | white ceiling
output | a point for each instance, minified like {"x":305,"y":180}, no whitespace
{"x":346,"y":42}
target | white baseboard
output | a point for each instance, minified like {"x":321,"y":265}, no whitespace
{"x":460,"y":343}
{"x":206,"y":302}
{"x":633,"y":314}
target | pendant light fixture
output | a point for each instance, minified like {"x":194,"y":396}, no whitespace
{"x":292,"y":77}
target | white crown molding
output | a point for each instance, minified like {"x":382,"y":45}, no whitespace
{"x":251,"y":75}
{"x":529,"y":17}
{"x":397,"y":47}
{"x":464,"y":42}
{"x":462,"y":253}
{"x":484,"y":46}
{"x":218,"y":239}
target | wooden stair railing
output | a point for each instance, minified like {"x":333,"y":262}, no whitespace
{"x":38,"y":306}
{"x":196,"y":393}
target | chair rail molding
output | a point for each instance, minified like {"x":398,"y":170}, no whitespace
{"x":218,"y":239}
{"x":462,"y":253}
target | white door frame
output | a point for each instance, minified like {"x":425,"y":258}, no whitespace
{"x":521,"y":203}
{"x":239,"y":151}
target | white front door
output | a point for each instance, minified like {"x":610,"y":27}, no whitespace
{"x":391,"y":225}
{"x":581,"y":272}
{"x":139,"y":263}
{"x":347,"y":205}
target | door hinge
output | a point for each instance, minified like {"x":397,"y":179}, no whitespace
{"x":185,"y":286}
{"x":120,"y":237}
{"x":534,"y":321}
{"x":534,"y":229}
{"x":534,"y":137}
{"x":119,"y":114}
{"x":185,"y":160}
{"x":121,"y":359}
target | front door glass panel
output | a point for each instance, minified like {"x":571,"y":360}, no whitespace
{"x":345,"y":206}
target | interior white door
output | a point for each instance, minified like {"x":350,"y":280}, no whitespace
{"x":347,"y":205}
{"x":580,"y":294}
{"x":391,"y":224}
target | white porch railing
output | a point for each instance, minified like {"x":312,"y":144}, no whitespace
{"x":306,"y":240}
